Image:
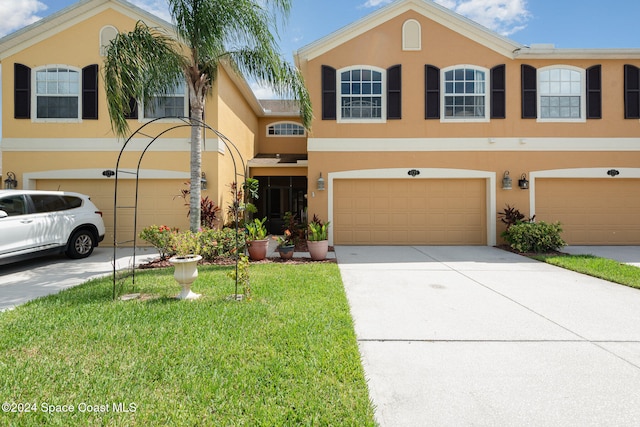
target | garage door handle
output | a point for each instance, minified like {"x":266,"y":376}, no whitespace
{"x":26,"y":221}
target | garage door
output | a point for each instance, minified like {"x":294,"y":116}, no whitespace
{"x":157,"y":203}
{"x":592,"y":211}
{"x":410,"y":211}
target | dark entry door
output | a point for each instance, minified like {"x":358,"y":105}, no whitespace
{"x":279,"y":195}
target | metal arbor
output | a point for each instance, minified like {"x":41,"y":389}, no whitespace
{"x":185,"y":122}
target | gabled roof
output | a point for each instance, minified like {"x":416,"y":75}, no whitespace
{"x":429,"y":9}
{"x":68,"y":17}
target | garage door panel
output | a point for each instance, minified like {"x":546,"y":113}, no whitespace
{"x":157,"y":203}
{"x":422,"y":211}
{"x":591,"y":211}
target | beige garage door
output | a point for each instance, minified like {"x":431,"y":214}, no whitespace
{"x":157,"y":203}
{"x":592,"y":211}
{"x":410,"y":212}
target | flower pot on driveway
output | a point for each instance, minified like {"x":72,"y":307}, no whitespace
{"x":185,"y":273}
{"x":318,"y":249}
{"x":258,"y":249}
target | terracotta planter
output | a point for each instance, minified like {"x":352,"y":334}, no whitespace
{"x":286,"y":252}
{"x":258,"y":249}
{"x":318,"y":249}
{"x":185,"y":273}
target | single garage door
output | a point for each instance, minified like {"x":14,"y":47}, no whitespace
{"x":157,"y":203}
{"x":410,"y":212}
{"x":592,"y":211}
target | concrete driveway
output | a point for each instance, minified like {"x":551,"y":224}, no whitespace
{"x":454,"y":336}
{"x":27,"y":280}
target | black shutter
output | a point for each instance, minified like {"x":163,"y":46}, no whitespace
{"x":432,"y":92}
{"x":328,"y":93}
{"x":594,"y":92}
{"x":22,"y":91}
{"x":529,"y":92}
{"x":90,"y":92}
{"x":133,"y":109}
{"x":498,"y":92}
{"x":631,"y":92}
{"x":394,"y":92}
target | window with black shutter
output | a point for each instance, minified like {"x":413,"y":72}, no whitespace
{"x":529,"y":92}
{"x":631,"y":92}
{"x":90,"y":92}
{"x":498,"y":92}
{"x":22,"y":91}
{"x":394,"y":92}
{"x":594,"y":92}
{"x":328,"y":93}
{"x":432,"y":92}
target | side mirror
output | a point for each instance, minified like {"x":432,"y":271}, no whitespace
{"x":3,"y":214}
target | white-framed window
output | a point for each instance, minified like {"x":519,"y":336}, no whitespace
{"x":171,"y":104}
{"x":285,"y":129}
{"x":57,"y":93}
{"x":465,"y":96}
{"x":561,"y":94}
{"x":362,"y":94}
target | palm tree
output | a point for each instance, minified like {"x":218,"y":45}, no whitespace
{"x":147,"y":62}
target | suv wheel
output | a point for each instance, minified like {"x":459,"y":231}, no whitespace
{"x":81,"y":244}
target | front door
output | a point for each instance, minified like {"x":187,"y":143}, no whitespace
{"x":279,"y":195}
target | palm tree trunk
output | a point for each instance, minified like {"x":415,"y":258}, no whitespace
{"x":196,"y":166}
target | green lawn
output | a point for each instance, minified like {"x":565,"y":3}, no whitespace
{"x":287,"y":357}
{"x":602,"y":268}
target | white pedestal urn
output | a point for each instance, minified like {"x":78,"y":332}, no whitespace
{"x":185,"y":273}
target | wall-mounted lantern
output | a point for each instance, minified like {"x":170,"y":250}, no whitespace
{"x":321,"y":183}
{"x":523,"y":183}
{"x":203,"y":181}
{"x":11,"y":182}
{"x":506,"y":181}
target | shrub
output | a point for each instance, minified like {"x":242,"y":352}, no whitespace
{"x":221,"y":243}
{"x":512,"y":216}
{"x":159,"y":237}
{"x":537,"y":237}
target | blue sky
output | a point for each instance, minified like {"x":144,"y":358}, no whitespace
{"x":565,"y":23}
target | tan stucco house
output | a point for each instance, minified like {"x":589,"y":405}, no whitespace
{"x":420,"y":115}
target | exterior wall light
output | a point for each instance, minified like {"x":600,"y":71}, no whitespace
{"x":506,"y":181}
{"x":523,"y":183}
{"x":321,"y":183}
{"x":11,"y":182}
{"x":203,"y":181}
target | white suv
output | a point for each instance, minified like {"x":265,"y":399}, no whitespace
{"x":34,"y":222}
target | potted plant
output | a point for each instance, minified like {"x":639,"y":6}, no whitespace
{"x":185,"y":262}
{"x":257,"y":241}
{"x":286,"y":246}
{"x":317,"y":239}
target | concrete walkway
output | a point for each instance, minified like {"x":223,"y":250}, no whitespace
{"x":456,"y":336}
{"x":625,"y":254}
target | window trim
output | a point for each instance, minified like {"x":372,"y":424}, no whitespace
{"x":583,"y":95}
{"x":383,"y":95}
{"x":287,"y":122}
{"x":34,"y":95}
{"x":487,"y":95}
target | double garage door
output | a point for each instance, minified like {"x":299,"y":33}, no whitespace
{"x":410,"y":211}
{"x":157,"y":203}
{"x":591,"y":211}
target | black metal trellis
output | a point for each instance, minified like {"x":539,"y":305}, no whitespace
{"x":186,"y":122}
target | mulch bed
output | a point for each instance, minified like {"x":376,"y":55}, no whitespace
{"x":164,"y":263}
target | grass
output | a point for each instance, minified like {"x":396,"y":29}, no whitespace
{"x":287,"y":357}
{"x":602,"y":268}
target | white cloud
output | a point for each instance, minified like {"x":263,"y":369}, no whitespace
{"x":262,"y":92}
{"x":158,"y":8}
{"x":376,"y":3}
{"x":19,"y":13}
{"x":502,"y":16}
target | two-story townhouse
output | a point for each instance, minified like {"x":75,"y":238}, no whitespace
{"x":56,"y":132}
{"x":428,"y":125}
